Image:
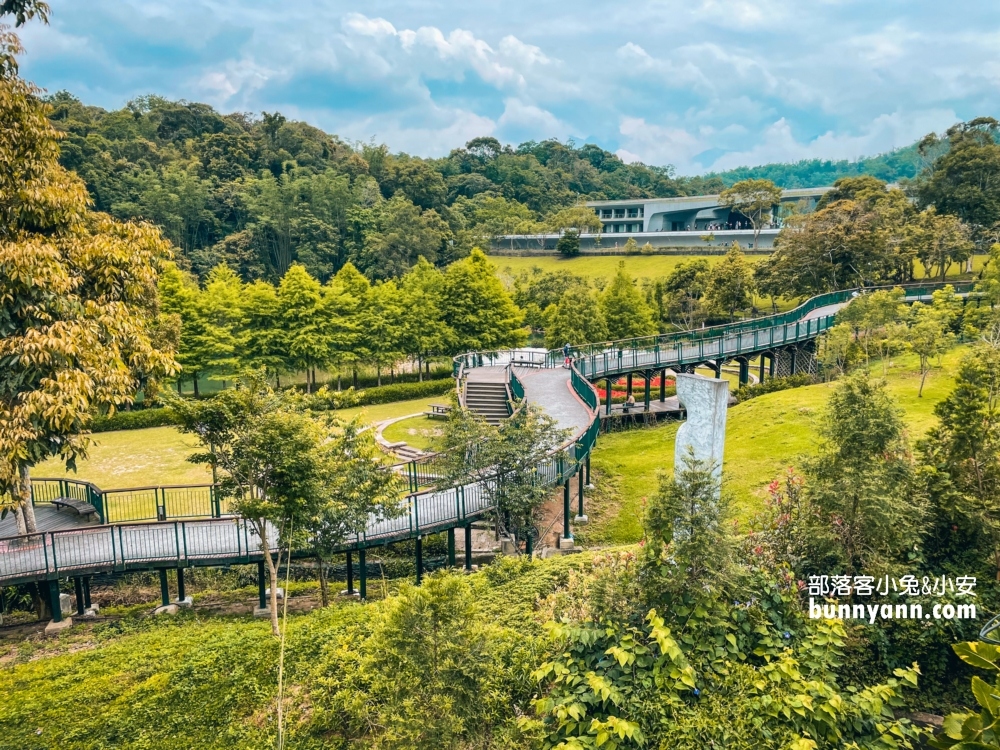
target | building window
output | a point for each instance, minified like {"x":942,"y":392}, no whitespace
{"x":605,"y":213}
{"x":641,"y":209}
{"x":619,"y":213}
{"x":633,"y":213}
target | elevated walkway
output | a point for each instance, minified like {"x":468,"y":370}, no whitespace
{"x":161,"y":527}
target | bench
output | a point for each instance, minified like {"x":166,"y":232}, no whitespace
{"x":438,"y":411}
{"x":82,"y":508}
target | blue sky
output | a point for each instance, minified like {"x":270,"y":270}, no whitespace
{"x":699,"y":84}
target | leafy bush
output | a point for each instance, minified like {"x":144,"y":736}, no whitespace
{"x":747,"y":392}
{"x":326,"y":399}
{"x":138,"y":419}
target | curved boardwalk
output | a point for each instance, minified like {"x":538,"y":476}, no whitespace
{"x":564,"y":393}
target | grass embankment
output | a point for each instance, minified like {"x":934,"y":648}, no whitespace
{"x":423,"y":433}
{"x":158,"y":455}
{"x":197,"y":682}
{"x":639,"y":266}
{"x":764,"y":436}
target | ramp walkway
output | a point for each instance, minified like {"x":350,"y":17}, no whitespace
{"x":176,"y":527}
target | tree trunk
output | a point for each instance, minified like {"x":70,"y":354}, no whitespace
{"x":19,"y":518}
{"x":923,"y":376}
{"x":277,"y":380}
{"x":420,"y":369}
{"x":272,"y":570}
{"x":324,"y":594}
{"x":378,"y":375}
{"x":179,"y":391}
{"x":427,"y":365}
{"x":392,"y":374}
{"x":338,"y":380}
{"x":24,"y":499}
{"x":354,"y":376}
{"x":195,"y":380}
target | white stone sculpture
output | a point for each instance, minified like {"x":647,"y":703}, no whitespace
{"x":704,"y":433}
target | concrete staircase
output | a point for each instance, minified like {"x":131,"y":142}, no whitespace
{"x":487,"y":399}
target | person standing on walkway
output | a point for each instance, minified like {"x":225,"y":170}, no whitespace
{"x":566,"y":355}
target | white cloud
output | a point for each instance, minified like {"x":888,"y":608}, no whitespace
{"x":529,"y":120}
{"x":656,"y":144}
{"x":885,"y":132}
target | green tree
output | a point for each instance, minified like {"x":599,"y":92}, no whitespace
{"x":965,"y":180}
{"x":360,"y":486}
{"x":962,"y":452}
{"x":510,"y":451}
{"x":425,"y":331}
{"x":928,"y":337}
{"x":307,"y":336}
{"x":580,"y":218}
{"x":78,"y":320}
{"x":346,"y":306}
{"x":864,"y":510}
{"x":180,"y":296}
{"x":625,"y":311}
{"x":264,"y":341}
{"x":404,"y":233}
{"x":576,"y":319}
{"x":383,"y":326}
{"x":755,"y":199}
{"x":569,"y":243}
{"x":730,"y":287}
{"x":221,"y":310}
{"x":275,"y":465}
{"x":939,"y":241}
{"x":684,"y":289}
{"x":478,"y":309}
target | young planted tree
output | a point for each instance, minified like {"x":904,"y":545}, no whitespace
{"x":274,"y":464}
{"x":79,"y":302}
{"x":625,"y":311}
{"x":383,"y":326}
{"x":478,"y":309}
{"x":360,"y":486}
{"x":731,"y":283}
{"x":928,"y":337}
{"x":300,"y":305}
{"x":754,"y":199}
{"x":425,"y":332}
{"x":576,"y":319}
{"x":506,"y":459}
{"x":962,"y":453}
{"x":863,"y":510}
{"x":264,"y":345}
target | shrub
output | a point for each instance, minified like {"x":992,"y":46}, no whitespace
{"x":135,"y":420}
{"x":747,"y":392}
{"x":326,"y":399}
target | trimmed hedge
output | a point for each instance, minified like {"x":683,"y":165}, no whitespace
{"x":325,"y":399}
{"x":135,"y":420}
{"x":748,"y":392}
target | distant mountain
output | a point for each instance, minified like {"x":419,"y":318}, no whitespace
{"x":903,"y":163}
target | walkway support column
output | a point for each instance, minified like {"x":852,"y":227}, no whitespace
{"x":567,"y":537}
{"x":663,"y":396}
{"x":794,"y":351}
{"x":607,"y":392}
{"x":54,"y":601}
{"x":261,"y":586}
{"x":744,"y":371}
{"x":590,"y":484}
{"x":628,"y":386}
{"x":420,"y":559}
{"x":451,"y":548}
{"x":164,"y":588}
{"x":86,"y":593}
{"x":646,"y":377}
{"x":760,"y":377}
{"x":180,"y":585}
{"x":362,"y":574}
{"x":350,"y":575}
{"x":468,"y":547}
{"x":580,"y":517}
{"x":772,"y":367}
{"x":78,"y":590}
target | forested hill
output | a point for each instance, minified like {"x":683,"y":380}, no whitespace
{"x":261,"y":193}
{"x":902,"y":163}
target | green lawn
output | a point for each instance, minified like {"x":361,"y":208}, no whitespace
{"x":764,"y":436}
{"x":638,"y":266}
{"x":135,"y":458}
{"x":158,"y":455}
{"x":420,"y":432}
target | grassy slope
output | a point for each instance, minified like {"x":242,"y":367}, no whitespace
{"x":420,"y":432}
{"x":205,"y":682}
{"x":158,"y":456}
{"x":764,"y":436}
{"x":638,"y":266}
